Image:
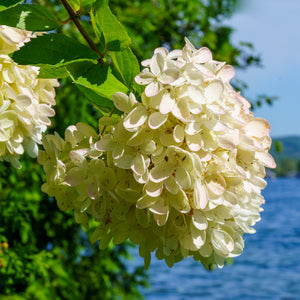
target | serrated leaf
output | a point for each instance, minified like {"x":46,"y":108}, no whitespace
{"x":53,"y":49}
{"x":97,"y":83}
{"x":29,"y":17}
{"x":5,"y":4}
{"x":112,"y":34}
{"x":125,"y":66}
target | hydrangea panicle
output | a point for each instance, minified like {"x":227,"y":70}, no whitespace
{"x":25,"y":100}
{"x":198,"y":152}
{"x":179,"y":172}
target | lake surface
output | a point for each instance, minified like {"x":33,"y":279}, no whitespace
{"x":269,"y":267}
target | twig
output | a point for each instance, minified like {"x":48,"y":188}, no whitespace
{"x":74,"y":16}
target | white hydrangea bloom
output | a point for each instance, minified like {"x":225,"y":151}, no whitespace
{"x":25,"y":100}
{"x":198,"y":153}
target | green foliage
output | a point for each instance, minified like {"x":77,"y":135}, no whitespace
{"x":126,"y":67}
{"x":111,"y":33}
{"x":5,"y":4}
{"x":29,"y":17}
{"x":97,"y":82}
{"x":53,"y":49}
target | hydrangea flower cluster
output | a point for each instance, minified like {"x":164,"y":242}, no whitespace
{"x":198,"y":152}
{"x":25,"y":100}
{"x":179,"y":173}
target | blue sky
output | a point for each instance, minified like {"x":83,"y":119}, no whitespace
{"x":273,"y":26}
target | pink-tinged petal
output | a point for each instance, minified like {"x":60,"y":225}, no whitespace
{"x":161,"y":220}
{"x":202,"y":55}
{"x":214,"y":91}
{"x":153,"y":189}
{"x":199,"y":220}
{"x":216,"y":184}
{"x":266,"y":159}
{"x":258,"y":127}
{"x":75,"y":176}
{"x":167,"y":103}
{"x":178,"y":133}
{"x":205,"y":71}
{"x":160,"y":207}
{"x":156,"y":120}
{"x":169,"y":75}
{"x":122,"y":102}
{"x":226,"y":73}
{"x":179,"y":201}
{"x":161,"y":172}
{"x":146,"y":201}
{"x":144,"y":77}
{"x":136,"y":118}
{"x":200,"y":197}
{"x":152,"y":89}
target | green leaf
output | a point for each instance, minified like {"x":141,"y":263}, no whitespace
{"x":5,"y":4}
{"x":125,"y":66}
{"x":29,"y":17}
{"x":49,"y":71}
{"x":53,"y":49}
{"x":112,"y":34}
{"x":97,"y":82}
{"x":85,"y":4}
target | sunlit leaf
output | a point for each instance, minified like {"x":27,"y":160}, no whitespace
{"x":29,"y":17}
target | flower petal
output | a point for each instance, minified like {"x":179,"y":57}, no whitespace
{"x":200,"y":197}
{"x":157,"y":119}
{"x":136,"y":118}
{"x":214,"y":91}
{"x":161,"y":172}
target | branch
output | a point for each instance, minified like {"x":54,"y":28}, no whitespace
{"x":74,"y":16}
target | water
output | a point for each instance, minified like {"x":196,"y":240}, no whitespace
{"x":269,"y":267}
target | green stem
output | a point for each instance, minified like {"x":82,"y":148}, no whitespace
{"x":74,"y":16}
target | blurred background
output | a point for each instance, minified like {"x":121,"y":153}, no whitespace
{"x":44,"y":254}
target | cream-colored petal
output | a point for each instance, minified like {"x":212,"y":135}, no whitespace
{"x":136,"y":118}
{"x":200,"y":196}
{"x":156,"y":120}
{"x":161,"y":172}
